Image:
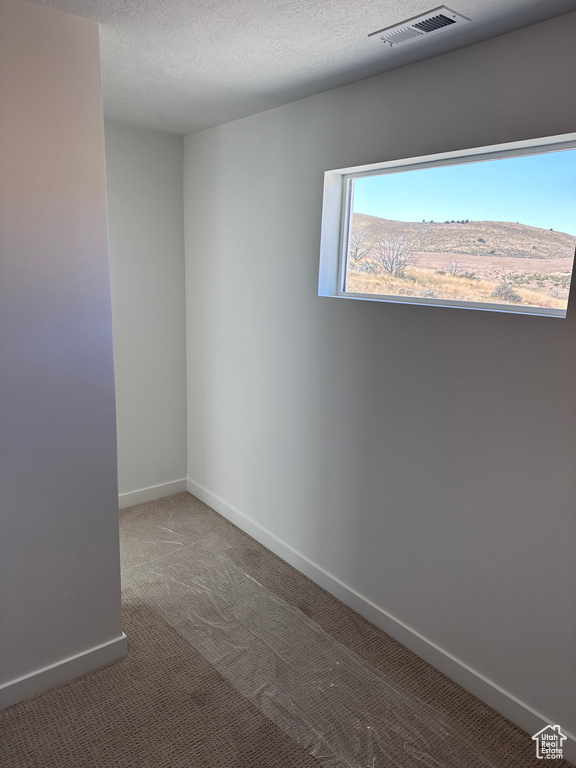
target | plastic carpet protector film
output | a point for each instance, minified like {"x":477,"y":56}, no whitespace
{"x":324,"y":696}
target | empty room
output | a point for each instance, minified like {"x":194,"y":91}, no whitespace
{"x":287,"y":384}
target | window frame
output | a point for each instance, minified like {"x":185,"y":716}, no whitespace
{"x":338,"y":200}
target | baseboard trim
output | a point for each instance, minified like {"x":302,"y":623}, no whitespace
{"x":62,"y":672}
{"x":151,"y":493}
{"x":487,"y":691}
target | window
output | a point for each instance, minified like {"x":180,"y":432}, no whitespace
{"x":491,"y":228}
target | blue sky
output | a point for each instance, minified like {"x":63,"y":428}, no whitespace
{"x":539,"y":190}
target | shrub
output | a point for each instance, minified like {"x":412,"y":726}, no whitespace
{"x":506,"y":292}
{"x":453,"y":268}
{"x":393,"y":254}
{"x":367,"y":267}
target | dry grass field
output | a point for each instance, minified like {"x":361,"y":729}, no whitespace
{"x":425,"y":283}
{"x":488,"y":262}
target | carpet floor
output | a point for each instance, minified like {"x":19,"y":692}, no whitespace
{"x":192,"y":691}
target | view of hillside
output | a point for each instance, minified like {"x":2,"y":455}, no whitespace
{"x":480,"y":261}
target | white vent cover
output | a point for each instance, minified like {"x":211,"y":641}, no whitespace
{"x":437,"y":20}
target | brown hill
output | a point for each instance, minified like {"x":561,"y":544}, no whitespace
{"x":476,"y":238}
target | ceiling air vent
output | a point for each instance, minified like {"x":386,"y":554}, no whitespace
{"x":409,"y":31}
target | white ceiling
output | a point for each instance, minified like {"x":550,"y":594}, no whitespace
{"x":185,"y":65}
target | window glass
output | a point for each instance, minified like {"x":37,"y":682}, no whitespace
{"x":497,"y":232}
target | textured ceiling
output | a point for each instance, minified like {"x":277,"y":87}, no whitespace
{"x":185,"y":65}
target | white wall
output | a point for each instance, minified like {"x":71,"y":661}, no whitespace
{"x":422,"y":458}
{"x":145,"y":218}
{"x":59,"y":559}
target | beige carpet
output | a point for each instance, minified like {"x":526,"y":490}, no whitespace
{"x":166,"y":706}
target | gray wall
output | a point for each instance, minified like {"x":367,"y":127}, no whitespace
{"x":422,"y":456}
{"x":145,"y":216}
{"x":59,"y":559}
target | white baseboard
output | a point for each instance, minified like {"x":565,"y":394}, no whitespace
{"x":490,"y":693}
{"x":62,"y":672}
{"x":151,"y":493}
